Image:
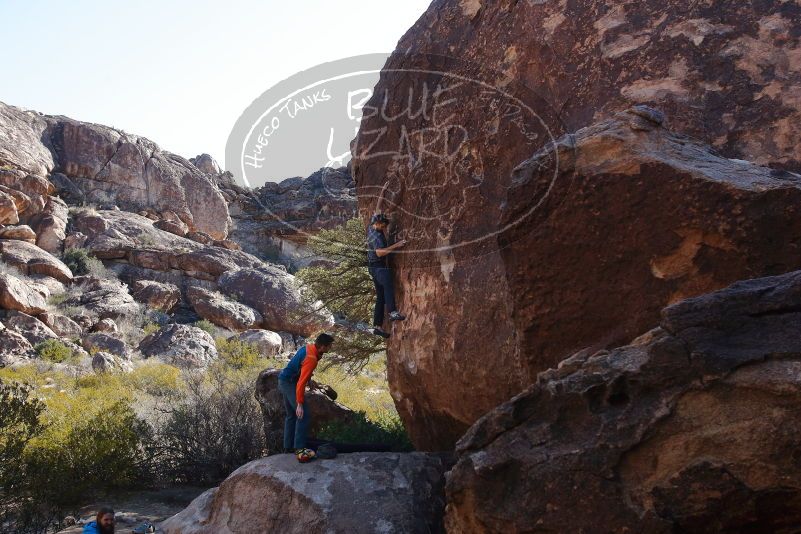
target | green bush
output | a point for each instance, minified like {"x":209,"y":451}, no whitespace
{"x":207,"y":326}
{"x":68,"y":464}
{"x":155,"y":378}
{"x":237,"y":354}
{"x":81,"y":262}
{"x":54,"y":351}
{"x":385,"y":428}
{"x":19,"y":423}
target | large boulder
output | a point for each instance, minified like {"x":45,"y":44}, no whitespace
{"x":15,"y":294}
{"x":8,"y":209}
{"x":132,"y":239}
{"x":103,"y":298}
{"x":156,"y":295}
{"x":275,"y":294}
{"x":103,"y":342}
{"x":320,"y":399}
{"x":592,"y":237}
{"x":180,"y":345}
{"x":63,"y":326}
{"x":31,"y":328}
{"x":13,"y":346}
{"x":216,"y":308}
{"x":693,"y":427}
{"x":21,"y":145}
{"x":269,"y":344}
{"x":366,"y":492}
{"x":32,"y":260}
{"x":132,"y":172}
{"x":534,"y":71}
{"x":51,"y":226}
{"x":21,"y":232}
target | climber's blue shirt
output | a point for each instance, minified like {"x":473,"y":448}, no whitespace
{"x":91,"y":528}
{"x":375,"y":239}
{"x":291,"y":372}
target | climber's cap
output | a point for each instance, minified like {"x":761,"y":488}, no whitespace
{"x":379,"y":218}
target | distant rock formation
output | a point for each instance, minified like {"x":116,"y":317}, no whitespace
{"x":160,"y":226}
{"x":275,"y":220}
{"x":109,"y":167}
{"x":693,"y":427}
{"x":365,"y":492}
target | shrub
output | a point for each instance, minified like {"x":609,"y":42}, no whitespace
{"x":54,"y":351}
{"x":150,"y":328}
{"x":81,"y":262}
{"x":216,"y":428}
{"x":19,"y":423}
{"x":101,"y":452}
{"x":207,"y":326}
{"x":385,"y":428}
{"x":237,"y":353}
{"x":344,"y":288}
{"x":155,"y":378}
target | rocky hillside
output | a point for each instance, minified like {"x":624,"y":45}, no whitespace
{"x":73,"y":193}
{"x":559,"y":213}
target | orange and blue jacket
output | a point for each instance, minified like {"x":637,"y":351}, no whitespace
{"x":299,"y":369}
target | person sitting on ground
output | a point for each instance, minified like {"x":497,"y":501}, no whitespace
{"x":380,"y":272}
{"x":103,"y":524}
{"x":292,"y":383}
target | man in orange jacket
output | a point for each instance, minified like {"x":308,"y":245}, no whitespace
{"x":292,"y":383}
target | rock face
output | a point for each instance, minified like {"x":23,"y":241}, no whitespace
{"x":592,"y":237}
{"x":693,"y":427}
{"x":109,"y":166}
{"x":320,"y":399}
{"x":366,"y":492}
{"x":156,"y":295}
{"x":723,"y":73}
{"x":15,"y":294}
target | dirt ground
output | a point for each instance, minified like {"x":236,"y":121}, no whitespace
{"x":133,"y":509}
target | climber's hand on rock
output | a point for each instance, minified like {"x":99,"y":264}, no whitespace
{"x":299,"y":411}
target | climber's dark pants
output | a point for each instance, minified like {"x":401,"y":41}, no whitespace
{"x":385,"y":293}
{"x":294,"y":429}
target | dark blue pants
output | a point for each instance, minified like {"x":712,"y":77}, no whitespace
{"x":294,"y":429}
{"x":385,"y":293}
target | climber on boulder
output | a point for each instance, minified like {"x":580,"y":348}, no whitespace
{"x":292,"y":384}
{"x":380,"y":272}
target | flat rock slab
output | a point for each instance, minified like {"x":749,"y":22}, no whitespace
{"x":365,"y":493}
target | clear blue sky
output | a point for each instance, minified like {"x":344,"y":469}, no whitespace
{"x":179,"y":72}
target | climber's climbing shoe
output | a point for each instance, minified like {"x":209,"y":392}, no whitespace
{"x":306,"y":455}
{"x":397,"y":316}
{"x":380,"y":332}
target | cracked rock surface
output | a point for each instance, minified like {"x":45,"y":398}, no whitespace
{"x":693,"y":427}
